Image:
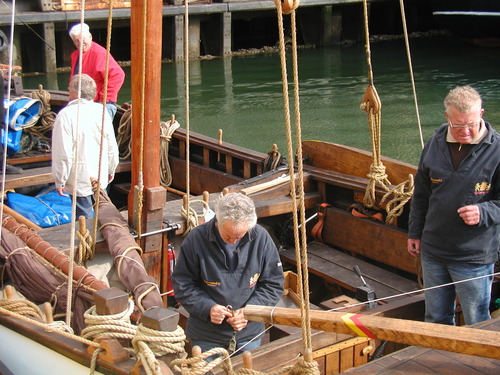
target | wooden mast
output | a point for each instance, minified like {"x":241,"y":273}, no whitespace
{"x":146,"y":24}
{"x":430,"y":335}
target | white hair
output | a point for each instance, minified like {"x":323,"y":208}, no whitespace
{"x":79,"y":28}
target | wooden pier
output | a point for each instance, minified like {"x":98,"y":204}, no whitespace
{"x":215,"y":28}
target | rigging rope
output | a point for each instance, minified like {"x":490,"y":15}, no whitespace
{"x":104,"y":114}
{"x":300,"y":243}
{"x":372,"y":105}
{"x":190,"y":217}
{"x":410,"y":65}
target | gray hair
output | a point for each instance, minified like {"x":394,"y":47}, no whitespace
{"x":88,"y":89}
{"x":237,"y":208}
{"x":79,"y":29}
{"x":463,"y":98}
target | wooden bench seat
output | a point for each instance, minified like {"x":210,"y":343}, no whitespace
{"x":43,"y":175}
{"x":336,"y":267}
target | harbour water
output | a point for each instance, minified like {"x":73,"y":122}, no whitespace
{"x":243,"y":95}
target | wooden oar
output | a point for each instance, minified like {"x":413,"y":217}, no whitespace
{"x":430,"y":335}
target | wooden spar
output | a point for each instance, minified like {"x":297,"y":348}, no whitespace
{"x":151,"y":101}
{"x":430,"y":335}
{"x":51,"y":254}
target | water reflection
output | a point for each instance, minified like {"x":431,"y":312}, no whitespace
{"x":243,"y":95}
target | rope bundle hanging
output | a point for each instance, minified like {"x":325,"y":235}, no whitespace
{"x":166,"y":131}
{"x":123,"y":134}
{"x":372,"y":105}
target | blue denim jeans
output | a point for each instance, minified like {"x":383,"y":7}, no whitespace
{"x":474,"y":296}
{"x":111,"y":108}
{"x":84,"y":207}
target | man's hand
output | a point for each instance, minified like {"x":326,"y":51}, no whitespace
{"x":62,"y":192}
{"x":470,"y":214}
{"x":218,"y":313}
{"x":414,"y":246}
{"x":238,"y":321}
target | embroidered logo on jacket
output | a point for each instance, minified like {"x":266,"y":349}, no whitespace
{"x":482,"y":188}
{"x":211,"y":283}
{"x":253,"y":280}
{"x":436,"y":180}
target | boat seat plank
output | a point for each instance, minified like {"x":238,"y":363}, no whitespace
{"x":337,"y":267}
{"x":43,"y":175}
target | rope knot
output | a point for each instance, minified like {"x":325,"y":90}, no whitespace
{"x":287,"y":6}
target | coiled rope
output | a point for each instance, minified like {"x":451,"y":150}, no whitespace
{"x":47,"y":118}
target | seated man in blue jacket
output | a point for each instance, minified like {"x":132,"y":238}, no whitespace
{"x":224,"y":265}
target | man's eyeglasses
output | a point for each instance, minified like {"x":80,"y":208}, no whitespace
{"x":472,"y":125}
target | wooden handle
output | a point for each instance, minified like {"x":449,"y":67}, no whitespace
{"x":247,"y":359}
{"x":82,"y":225}
{"x":47,"y":310}
{"x":206,"y":196}
{"x":9,"y":292}
{"x":220,"y":136}
{"x":196,"y":351}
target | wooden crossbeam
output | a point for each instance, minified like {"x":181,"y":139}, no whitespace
{"x":430,"y":335}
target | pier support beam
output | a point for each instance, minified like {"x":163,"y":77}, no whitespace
{"x":194,"y":37}
{"x":50,"y":47}
{"x":226,"y":34}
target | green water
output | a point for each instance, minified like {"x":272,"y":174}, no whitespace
{"x":243,"y":95}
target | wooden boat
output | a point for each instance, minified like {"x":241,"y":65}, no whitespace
{"x":335,"y":178}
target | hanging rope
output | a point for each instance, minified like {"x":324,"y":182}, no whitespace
{"x":75,"y":179}
{"x":103,"y":120}
{"x":166,"y":131}
{"x":372,"y":105}
{"x":300,"y":243}
{"x":410,"y":65}
{"x":124,"y":134}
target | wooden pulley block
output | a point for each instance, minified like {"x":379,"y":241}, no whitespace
{"x":371,"y":100}
{"x":287,"y":5}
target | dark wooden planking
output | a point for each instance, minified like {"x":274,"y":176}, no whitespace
{"x":352,"y":161}
{"x":371,"y":273}
{"x":374,"y":240}
{"x":335,"y":267}
{"x":201,"y":178}
{"x":43,"y":175}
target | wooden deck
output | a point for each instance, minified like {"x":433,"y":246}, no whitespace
{"x":337,"y":267}
{"x":43,"y":175}
{"x":423,"y":361}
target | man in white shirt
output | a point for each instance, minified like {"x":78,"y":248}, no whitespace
{"x":76,"y":145}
